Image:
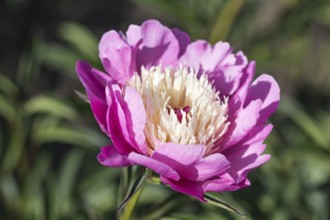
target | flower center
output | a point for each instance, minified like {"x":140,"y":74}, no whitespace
{"x":181,"y":107}
{"x":178,"y":112}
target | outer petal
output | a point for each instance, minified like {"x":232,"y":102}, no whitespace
{"x":189,"y":162}
{"x":135,"y":118}
{"x":159,"y":44}
{"x":118,"y":56}
{"x":126,"y":125}
{"x":211,"y":166}
{"x":224,"y":183}
{"x":180,"y":157}
{"x":94,"y":82}
{"x":202,"y":56}
{"x":246,"y":155}
{"x":267,"y":90}
{"x":183,"y":39}
{"x":186,"y":186}
{"x":109,"y":156}
{"x":240,"y":166}
{"x":245,"y":120}
{"x":117,"y":129}
{"x":218,"y":62}
{"x":162,"y":169}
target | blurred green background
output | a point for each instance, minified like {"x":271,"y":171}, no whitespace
{"x":49,"y":139}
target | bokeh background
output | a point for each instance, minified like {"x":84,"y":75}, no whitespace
{"x":49,"y":139}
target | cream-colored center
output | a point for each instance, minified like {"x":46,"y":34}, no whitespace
{"x":171,"y":94}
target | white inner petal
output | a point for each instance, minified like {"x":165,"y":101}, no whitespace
{"x":166,"y":93}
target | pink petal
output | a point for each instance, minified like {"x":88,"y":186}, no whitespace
{"x":210,"y":166}
{"x":221,"y":66}
{"x":188,"y":161}
{"x":246,"y":155}
{"x":245,"y":82}
{"x":229,"y":73}
{"x":109,"y":156}
{"x":224,"y":183}
{"x":159,"y":44}
{"x":201,"y":55}
{"x":256,"y":136}
{"x":180,"y":157}
{"x":240,"y":167}
{"x":245,"y":120}
{"x":118,"y":56}
{"x":267,"y":90}
{"x":183,"y":39}
{"x":133,"y":34}
{"x":159,"y":167}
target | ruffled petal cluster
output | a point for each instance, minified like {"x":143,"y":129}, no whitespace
{"x":140,"y":130}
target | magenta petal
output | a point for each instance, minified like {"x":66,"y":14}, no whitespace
{"x":118,"y":56}
{"x":109,"y":156}
{"x":136,"y":118}
{"x":126,"y":119}
{"x":99,"y":109}
{"x":94,"y":82}
{"x":159,"y":44}
{"x":159,"y":167}
{"x":186,"y":186}
{"x":267,"y":90}
{"x":116,"y":120}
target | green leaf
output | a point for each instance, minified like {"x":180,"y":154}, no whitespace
{"x":225,"y":20}
{"x":7,"y":110}
{"x":8,"y":87}
{"x":68,"y":178}
{"x":217,"y":202}
{"x":49,"y":105}
{"x":304,"y":121}
{"x":70,"y":135}
{"x":125,"y":209}
{"x":157,"y":211}
{"x":80,"y":38}
{"x":61,"y":58}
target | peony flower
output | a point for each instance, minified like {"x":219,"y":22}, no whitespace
{"x":189,"y":111}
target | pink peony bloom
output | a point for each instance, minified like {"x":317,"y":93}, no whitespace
{"x":186,"y":110}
